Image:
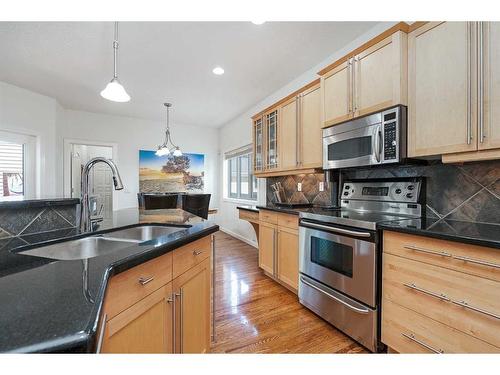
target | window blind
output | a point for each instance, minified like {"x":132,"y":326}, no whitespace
{"x":11,"y":161}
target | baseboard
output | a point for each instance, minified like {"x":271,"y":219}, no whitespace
{"x":240,"y":237}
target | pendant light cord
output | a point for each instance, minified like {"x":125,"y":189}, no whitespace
{"x":115,"y":50}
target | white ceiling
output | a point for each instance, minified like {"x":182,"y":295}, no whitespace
{"x":167,"y":61}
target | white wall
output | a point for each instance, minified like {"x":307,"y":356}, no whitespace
{"x":133,"y":134}
{"x":26,"y":112}
{"x":238,"y":132}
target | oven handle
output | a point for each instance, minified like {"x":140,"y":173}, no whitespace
{"x":358,"y":310}
{"x":337,"y":230}
{"x":377,"y":144}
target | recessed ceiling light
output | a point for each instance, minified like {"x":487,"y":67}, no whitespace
{"x":258,"y":22}
{"x":218,"y":71}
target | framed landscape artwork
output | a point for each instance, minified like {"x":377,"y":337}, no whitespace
{"x":171,"y":174}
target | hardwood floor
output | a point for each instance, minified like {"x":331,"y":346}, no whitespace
{"x":254,"y":314}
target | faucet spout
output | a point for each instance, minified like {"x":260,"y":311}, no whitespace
{"x":85,"y":211}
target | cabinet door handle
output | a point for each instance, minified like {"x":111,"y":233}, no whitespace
{"x":412,"y":337}
{"x":480,"y":84}
{"x":181,"y":321}
{"x":422,"y":250}
{"x":441,"y":296}
{"x":476,"y":309}
{"x":101,"y":334}
{"x":145,"y":280}
{"x":469,"y":93}
{"x":476,"y":261}
{"x":197,"y":252}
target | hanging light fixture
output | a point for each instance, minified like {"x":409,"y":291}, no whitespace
{"x":114,"y":91}
{"x":163,"y":149}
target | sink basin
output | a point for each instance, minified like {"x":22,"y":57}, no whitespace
{"x":142,"y":233}
{"x":84,"y":248}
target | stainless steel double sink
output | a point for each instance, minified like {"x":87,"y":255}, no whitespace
{"x":100,"y":244}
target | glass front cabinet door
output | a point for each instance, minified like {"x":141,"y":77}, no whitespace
{"x":258,"y":145}
{"x":271,"y":122}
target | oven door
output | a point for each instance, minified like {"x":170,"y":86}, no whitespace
{"x":354,"y":148}
{"x":343,"y":259}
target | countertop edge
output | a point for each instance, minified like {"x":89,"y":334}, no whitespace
{"x":35,"y":203}
{"x":284,"y":210}
{"x":441,"y":236}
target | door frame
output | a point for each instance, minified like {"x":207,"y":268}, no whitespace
{"x":68,"y":143}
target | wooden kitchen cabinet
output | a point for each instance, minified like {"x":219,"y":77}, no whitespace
{"x":161,"y":306}
{"x":441,"y":89}
{"x":336,"y":98}
{"x":192,"y":310}
{"x":370,"y":79}
{"x":310,"y":129}
{"x":145,"y":327}
{"x":267,"y":245}
{"x":289,"y":139}
{"x":271,"y":131}
{"x":288,"y":257}
{"x":279,"y":247}
{"x":380,"y":75}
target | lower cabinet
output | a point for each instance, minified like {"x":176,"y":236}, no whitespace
{"x":192,"y":310}
{"x":279,"y":247}
{"x":145,"y":327}
{"x":142,"y":316}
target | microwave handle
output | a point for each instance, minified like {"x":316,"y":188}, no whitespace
{"x":377,"y":144}
{"x":337,"y":230}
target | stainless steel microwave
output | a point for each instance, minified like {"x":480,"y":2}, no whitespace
{"x":378,"y":138}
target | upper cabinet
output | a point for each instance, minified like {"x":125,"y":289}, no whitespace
{"x":370,"y":79}
{"x":453,"y":85}
{"x":441,"y":113}
{"x":287,"y":137}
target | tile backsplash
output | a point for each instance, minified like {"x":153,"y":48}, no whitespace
{"x":468,"y":192}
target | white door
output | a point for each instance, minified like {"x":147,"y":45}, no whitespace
{"x":100,"y":178}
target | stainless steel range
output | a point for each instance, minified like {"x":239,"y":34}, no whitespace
{"x":340,"y":253}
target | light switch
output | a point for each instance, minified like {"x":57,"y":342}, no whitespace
{"x":321,"y":186}
{"x":299,"y":186}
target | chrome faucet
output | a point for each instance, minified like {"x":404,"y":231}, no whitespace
{"x":85,"y":212}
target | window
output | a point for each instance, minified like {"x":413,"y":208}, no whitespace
{"x":17,"y":165}
{"x":11,"y":169}
{"x":241,"y":183}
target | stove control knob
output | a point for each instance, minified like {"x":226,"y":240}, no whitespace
{"x":411,"y":187}
{"x":398,"y":191}
{"x":347,"y":187}
{"x":409,"y":195}
{"x":346,"y":193}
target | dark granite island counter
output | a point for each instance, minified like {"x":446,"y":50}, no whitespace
{"x":54,"y":305}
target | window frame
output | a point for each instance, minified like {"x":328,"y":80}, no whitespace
{"x":252,"y":193}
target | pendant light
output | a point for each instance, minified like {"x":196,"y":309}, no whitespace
{"x":114,"y":91}
{"x":163,"y":149}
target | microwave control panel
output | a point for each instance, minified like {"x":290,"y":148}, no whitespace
{"x":390,"y":141}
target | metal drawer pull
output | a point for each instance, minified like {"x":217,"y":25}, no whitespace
{"x":337,"y":230}
{"x":145,"y":280}
{"x":358,"y":310}
{"x":481,"y":262}
{"x":101,"y":334}
{"x":412,"y":337}
{"x":477,"y":309}
{"x":197,"y":252}
{"x":441,"y":296}
{"x":441,"y":253}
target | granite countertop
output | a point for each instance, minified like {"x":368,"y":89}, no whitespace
{"x":481,"y":234}
{"x":51,"y":305}
{"x":23,"y":202}
{"x":248,"y":208}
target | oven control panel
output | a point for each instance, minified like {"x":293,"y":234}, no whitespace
{"x":389,"y":191}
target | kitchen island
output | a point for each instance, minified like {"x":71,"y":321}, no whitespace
{"x":57,"y":305}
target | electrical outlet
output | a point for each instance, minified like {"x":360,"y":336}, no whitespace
{"x":299,"y":186}
{"x":321,"y":186}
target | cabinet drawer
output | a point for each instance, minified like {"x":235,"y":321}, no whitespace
{"x":441,"y":293}
{"x":130,"y":286}
{"x":249,"y":216}
{"x":268,"y":216}
{"x":471,"y":259}
{"x":289,"y":221}
{"x":409,"y":332}
{"x":190,"y":255}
